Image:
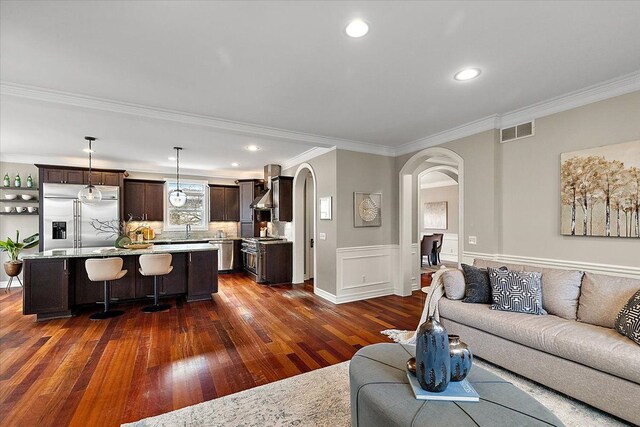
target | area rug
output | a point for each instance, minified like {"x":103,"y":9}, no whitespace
{"x":321,"y":398}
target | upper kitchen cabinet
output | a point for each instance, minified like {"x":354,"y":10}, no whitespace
{"x":249,"y":190}
{"x":224,"y":203}
{"x":62,"y":176}
{"x":75,"y":175}
{"x":144,"y":199}
{"x":103,"y":178}
{"x":282,"y":190}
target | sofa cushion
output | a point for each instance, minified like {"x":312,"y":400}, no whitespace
{"x":560,"y":290}
{"x":628,"y":320}
{"x":454,"y":286}
{"x":477,"y":286}
{"x":602,"y":297}
{"x":517,"y":291}
{"x":594,"y":346}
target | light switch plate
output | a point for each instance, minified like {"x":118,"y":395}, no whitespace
{"x":323,"y":236}
{"x":473,"y":240}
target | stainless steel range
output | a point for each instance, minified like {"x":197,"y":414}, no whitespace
{"x":253,"y":257}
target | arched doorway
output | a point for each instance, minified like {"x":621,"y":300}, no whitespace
{"x":304,"y":222}
{"x":409,"y":185}
{"x":437,"y":184}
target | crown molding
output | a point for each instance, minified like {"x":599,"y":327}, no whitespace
{"x":84,"y":101}
{"x":598,"y":92}
{"x":611,"y":88}
{"x":467,"y":129}
{"x":305,"y":157}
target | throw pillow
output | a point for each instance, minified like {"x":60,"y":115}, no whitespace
{"x":478,"y":288}
{"x":517,"y":291}
{"x":628,"y":320}
{"x":453,"y":281}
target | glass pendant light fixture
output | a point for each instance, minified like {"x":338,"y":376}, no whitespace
{"x":177,"y":197}
{"x":89,"y":194}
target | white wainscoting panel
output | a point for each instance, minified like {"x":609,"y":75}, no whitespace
{"x":365,"y":272}
{"x":449,"y":250}
{"x":415,"y":267}
{"x":613,"y":270}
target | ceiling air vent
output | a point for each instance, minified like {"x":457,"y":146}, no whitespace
{"x":520,"y":131}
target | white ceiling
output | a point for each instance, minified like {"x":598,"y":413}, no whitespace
{"x":436,"y":179}
{"x":289,"y":66}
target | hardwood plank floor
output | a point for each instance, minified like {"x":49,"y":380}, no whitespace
{"x":84,"y":373}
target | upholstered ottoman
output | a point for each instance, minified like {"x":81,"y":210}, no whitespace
{"x":381,"y":396}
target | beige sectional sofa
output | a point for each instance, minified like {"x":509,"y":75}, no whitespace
{"x":574,"y":349}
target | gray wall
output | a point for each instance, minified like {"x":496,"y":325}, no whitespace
{"x":324,"y":168}
{"x":447,"y":194}
{"x":366,"y":173}
{"x":512,"y":190}
{"x":531,"y":182}
{"x":27,"y":224}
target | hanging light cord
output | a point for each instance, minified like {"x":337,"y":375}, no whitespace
{"x":177,"y":168}
{"x":90,"y":150}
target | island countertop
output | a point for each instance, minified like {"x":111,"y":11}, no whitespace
{"x":112,"y":251}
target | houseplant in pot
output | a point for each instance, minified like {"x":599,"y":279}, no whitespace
{"x":13,"y":267}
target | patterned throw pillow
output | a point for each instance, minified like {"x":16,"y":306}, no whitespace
{"x":517,"y":291}
{"x":628,"y":320}
{"x":478,"y":289}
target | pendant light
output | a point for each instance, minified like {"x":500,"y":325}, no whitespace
{"x":89,"y":194}
{"x":177,"y":197}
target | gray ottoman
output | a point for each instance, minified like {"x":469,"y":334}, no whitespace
{"x":381,"y":396}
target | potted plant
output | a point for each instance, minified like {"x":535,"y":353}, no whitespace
{"x":13,"y":267}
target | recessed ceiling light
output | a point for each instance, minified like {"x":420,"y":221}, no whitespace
{"x":234,"y":164}
{"x":357,"y":28}
{"x":252,"y":148}
{"x":173,"y":159}
{"x":467,"y":74}
{"x":86,"y":150}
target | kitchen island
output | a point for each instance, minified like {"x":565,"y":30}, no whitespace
{"x":56,"y":282}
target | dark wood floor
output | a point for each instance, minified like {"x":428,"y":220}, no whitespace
{"x":84,"y":373}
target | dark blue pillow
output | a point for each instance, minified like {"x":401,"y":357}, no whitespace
{"x":478,"y":286}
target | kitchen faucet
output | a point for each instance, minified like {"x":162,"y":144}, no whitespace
{"x":187,"y":231}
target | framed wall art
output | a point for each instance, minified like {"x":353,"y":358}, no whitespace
{"x":435,"y":216}
{"x":367,"y":209}
{"x":600,"y":188}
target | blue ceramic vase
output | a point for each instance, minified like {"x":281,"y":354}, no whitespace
{"x":433,"y":360}
{"x":461,"y":358}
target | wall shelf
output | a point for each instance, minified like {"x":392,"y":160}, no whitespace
{"x":19,"y":188}
{"x":32,"y":201}
{"x":20,"y":213}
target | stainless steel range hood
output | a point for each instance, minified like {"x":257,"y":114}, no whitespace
{"x":265,"y":200}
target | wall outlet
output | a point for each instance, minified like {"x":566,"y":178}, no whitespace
{"x":473,"y":240}
{"x":323,"y":236}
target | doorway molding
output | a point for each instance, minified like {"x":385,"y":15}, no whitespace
{"x":408,"y":180}
{"x":299,"y":180}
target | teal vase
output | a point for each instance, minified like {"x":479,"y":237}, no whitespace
{"x":433,"y":359}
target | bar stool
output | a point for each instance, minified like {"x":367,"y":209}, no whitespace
{"x":155,"y":265}
{"x":105,"y":270}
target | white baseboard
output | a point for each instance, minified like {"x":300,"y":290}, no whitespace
{"x":14,"y":284}
{"x":325,"y":295}
{"x":610,"y":269}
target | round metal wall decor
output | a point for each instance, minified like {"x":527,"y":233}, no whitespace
{"x":368,"y":210}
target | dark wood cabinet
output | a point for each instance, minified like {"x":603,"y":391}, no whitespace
{"x":174,"y":282}
{"x":277,"y":262}
{"x":249,"y":218}
{"x":224,"y":203}
{"x":144,"y":199}
{"x":62,"y":176}
{"x":50,"y":298}
{"x":202,"y":275}
{"x":103,"y":178}
{"x":282,"y":191}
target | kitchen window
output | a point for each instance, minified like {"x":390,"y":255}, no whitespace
{"x":194,"y":212}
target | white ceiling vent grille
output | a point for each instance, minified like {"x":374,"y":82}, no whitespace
{"x":520,"y":131}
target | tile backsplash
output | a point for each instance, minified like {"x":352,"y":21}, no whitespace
{"x":230,"y":229}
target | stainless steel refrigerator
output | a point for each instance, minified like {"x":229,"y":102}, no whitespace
{"x":67,"y":221}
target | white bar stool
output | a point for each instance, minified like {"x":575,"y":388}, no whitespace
{"x":105,"y":270}
{"x":155,"y":265}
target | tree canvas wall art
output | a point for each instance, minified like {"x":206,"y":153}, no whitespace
{"x":600,"y":190}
